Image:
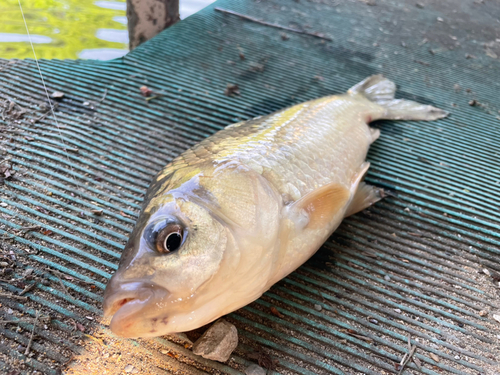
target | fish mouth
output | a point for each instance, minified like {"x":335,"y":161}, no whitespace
{"x":135,"y":309}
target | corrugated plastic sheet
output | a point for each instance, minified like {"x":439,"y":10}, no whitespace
{"x":419,"y":268}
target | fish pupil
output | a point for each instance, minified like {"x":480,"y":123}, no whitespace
{"x":173,"y":241}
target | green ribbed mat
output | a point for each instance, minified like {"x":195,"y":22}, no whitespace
{"x":422,"y":265}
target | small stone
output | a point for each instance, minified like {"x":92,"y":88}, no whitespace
{"x":3,"y":204}
{"x":129,"y":368}
{"x":387,"y":278}
{"x":398,"y":311}
{"x":457,"y":357}
{"x":255,"y":370}
{"x":496,"y":317}
{"x":57,"y":95}
{"x":317,"y":307}
{"x":218,"y":342}
{"x":483,"y":313}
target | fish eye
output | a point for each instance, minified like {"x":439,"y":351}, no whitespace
{"x":164,"y":236}
{"x":169,"y":239}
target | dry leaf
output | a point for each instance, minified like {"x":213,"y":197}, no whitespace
{"x":232,"y":89}
{"x":145,"y":91}
{"x":275,"y":311}
{"x":434,"y":357}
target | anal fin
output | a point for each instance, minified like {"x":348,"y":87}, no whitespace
{"x":375,"y":133}
{"x":365,"y":194}
{"x":364,"y":197}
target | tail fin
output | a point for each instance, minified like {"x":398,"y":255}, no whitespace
{"x":380,"y":90}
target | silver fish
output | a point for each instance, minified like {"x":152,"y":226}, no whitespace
{"x":236,"y":213}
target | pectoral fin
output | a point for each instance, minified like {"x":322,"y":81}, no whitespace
{"x":364,"y":197}
{"x":322,"y":204}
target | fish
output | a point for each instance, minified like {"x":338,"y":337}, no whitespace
{"x":239,"y":211}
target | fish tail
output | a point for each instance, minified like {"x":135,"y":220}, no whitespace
{"x":381,"y":90}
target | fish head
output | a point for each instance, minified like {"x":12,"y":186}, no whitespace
{"x":184,"y":264}
{"x":174,"y":252}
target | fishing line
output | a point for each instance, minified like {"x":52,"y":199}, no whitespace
{"x":48,"y":96}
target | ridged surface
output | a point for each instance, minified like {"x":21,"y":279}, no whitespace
{"x":411,"y":266}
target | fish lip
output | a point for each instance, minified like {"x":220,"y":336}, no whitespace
{"x":133,"y":306}
{"x":116,"y":300}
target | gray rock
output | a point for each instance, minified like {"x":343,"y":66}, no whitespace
{"x":218,"y":342}
{"x":318,"y":307}
{"x":255,"y":370}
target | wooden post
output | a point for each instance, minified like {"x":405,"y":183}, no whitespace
{"x":146,"y":18}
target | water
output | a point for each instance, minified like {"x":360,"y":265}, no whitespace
{"x":70,"y":29}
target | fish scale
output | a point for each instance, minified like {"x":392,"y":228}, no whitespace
{"x":296,"y":149}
